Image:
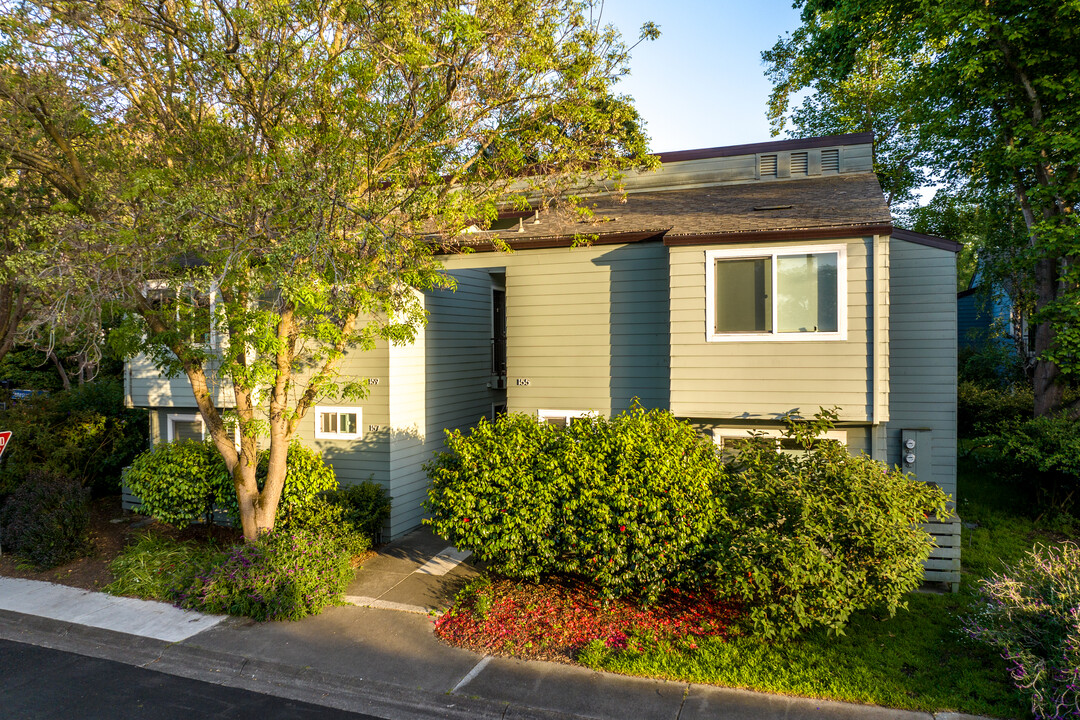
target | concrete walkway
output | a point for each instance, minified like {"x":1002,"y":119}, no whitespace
{"x":108,"y":612}
{"x":379,"y":655}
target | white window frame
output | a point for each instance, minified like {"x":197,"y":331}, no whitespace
{"x":321,"y":410}
{"x":744,"y":433}
{"x":711,"y":256}
{"x":564,"y":415}
{"x":172,"y":418}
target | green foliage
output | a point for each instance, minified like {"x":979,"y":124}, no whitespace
{"x":180,"y":482}
{"x":981,"y":407}
{"x":876,"y":95}
{"x":306,"y":477}
{"x":84,"y":433}
{"x":1029,"y":612}
{"x":978,"y":92}
{"x":46,"y":521}
{"x":283,"y":575}
{"x":916,"y":660}
{"x":1042,"y":454}
{"x":184,"y":482}
{"x":362,"y":508}
{"x":641,"y":502}
{"x":624,"y":502}
{"x":335,"y":146}
{"x":808,"y":538}
{"x":153,"y":566}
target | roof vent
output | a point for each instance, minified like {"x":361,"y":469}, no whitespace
{"x":799,"y":163}
{"x":767,"y":166}
{"x":830,"y":160}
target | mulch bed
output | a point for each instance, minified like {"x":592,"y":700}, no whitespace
{"x":555,"y":619}
{"x":111,"y":529}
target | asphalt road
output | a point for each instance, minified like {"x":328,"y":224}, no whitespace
{"x":37,"y":682}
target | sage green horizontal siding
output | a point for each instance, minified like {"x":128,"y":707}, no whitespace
{"x":922,"y":339}
{"x":439,"y":382}
{"x":768,"y":379}
{"x":587,"y":327}
{"x":735,"y":169}
{"x":368,"y":457}
{"x":146,"y":387}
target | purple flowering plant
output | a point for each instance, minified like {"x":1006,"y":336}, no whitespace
{"x":1030,"y":612}
{"x":284,"y":575}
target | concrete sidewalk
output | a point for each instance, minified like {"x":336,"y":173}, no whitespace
{"x":379,"y":656}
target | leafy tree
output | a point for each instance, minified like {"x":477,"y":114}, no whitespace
{"x":261,"y":184}
{"x":990,"y":87}
{"x":876,"y":95}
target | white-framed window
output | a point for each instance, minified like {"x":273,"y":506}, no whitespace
{"x":338,"y":423}
{"x":728,"y":439}
{"x":791,"y":293}
{"x":184,"y":427}
{"x":562,"y":418}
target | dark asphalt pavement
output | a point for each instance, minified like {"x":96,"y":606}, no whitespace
{"x":40,"y":683}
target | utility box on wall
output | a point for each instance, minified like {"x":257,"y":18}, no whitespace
{"x":916,"y":453}
{"x":917,"y":457}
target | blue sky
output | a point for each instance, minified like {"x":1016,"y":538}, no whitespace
{"x":701,"y":84}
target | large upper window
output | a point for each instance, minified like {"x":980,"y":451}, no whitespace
{"x":796,"y":293}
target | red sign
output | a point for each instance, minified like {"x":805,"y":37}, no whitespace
{"x":4,"y":437}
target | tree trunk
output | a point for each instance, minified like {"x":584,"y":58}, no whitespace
{"x":247,"y":495}
{"x":1048,"y":393}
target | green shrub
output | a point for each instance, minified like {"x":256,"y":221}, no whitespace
{"x":497,"y":492}
{"x":181,"y":482}
{"x":1041,"y":454}
{"x":46,"y":521}
{"x":306,"y":477}
{"x":154,"y":566}
{"x":184,"y":482}
{"x":85,"y":433}
{"x":991,"y":359}
{"x":623,"y":502}
{"x":1030,"y":612}
{"x":981,"y":408}
{"x":284,"y":575}
{"x":362,"y":508}
{"x":804,"y":539}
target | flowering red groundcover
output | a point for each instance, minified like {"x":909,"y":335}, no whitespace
{"x":553,"y":620}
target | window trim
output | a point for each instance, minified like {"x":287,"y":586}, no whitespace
{"x":711,"y":256}
{"x":172,"y":418}
{"x":321,"y":410}
{"x":565,"y":415}
{"x":719,"y":433}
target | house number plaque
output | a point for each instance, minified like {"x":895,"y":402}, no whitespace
{"x":523,"y":381}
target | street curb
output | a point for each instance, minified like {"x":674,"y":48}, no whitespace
{"x":262,"y":676}
{"x":307,"y":684}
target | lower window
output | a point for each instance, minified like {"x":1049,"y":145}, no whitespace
{"x":184,"y":427}
{"x":338,"y":423}
{"x":562,"y":418}
{"x":729,"y":439}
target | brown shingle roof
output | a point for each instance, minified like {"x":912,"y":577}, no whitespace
{"x":814,"y":204}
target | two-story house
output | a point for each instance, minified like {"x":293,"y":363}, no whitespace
{"x":731,"y":286}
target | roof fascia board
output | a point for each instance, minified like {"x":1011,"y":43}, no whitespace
{"x":560,"y":241}
{"x":928,"y":240}
{"x":836,"y":231}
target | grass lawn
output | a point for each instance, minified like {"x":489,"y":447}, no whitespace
{"x":918,"y":659}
